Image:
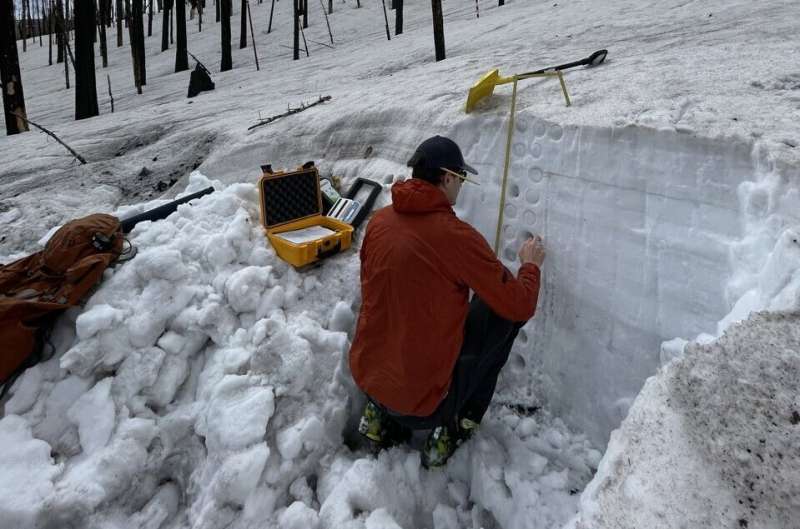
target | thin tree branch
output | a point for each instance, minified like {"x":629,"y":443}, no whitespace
{"x":70,"y":149}
{"x":290,"y":112}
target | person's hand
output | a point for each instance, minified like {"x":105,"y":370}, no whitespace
{"x":532,"y":251}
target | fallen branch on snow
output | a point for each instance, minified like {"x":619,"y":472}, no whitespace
{"x":70,"y":149}
{"x":289,"y":112}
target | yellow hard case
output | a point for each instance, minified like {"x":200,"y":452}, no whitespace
{"x":292,"y":201}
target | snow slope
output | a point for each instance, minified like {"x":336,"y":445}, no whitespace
{"x":667,"y":195}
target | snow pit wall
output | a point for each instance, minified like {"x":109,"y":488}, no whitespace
{"x":641,"y":227}
{"x":638,"y":225}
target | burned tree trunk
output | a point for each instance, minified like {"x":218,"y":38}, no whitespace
{"x":150,"y":18}
{"x":398,"y":17}
{"x":59,"y":14}
{"x":102,"y":21}
{"x":136,"y":32}
{"x":165,"y":25}
{"x":296,"y":19}
{"x":85,"y":84}
{"x":243,"y":26}
{"x":438,"y":29}
{"x":119,"y":23}
{"x":13,"y":97}
{"x":181,"y":57}
{"x":227,"y":61}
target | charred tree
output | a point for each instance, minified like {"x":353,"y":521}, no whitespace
{"x":85,"y":84}
{"x":243,"y":26}
{"x":59,"y":16}
{"x":136,"y":36}
{"x":398,"y":17}
{"x":438,"y":29}
{"x":296,"y":18}
{"x":102,"y":26}
{"x":150,"y":18}
{"x":165,"y":25}
{"x":181,"y":57}
{"x":227,"y":61}
{"x":13,"y":97}
{"x":305,"y":13}
{"x":119,"y":23}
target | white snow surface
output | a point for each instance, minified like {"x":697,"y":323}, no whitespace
{"x":205,"y":383}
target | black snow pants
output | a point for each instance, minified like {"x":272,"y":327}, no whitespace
{"x":487,"y":342}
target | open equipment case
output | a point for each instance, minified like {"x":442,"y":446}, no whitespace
{"x":294,"y":220}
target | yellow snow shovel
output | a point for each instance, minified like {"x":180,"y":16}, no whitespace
{"x":485,"y":85}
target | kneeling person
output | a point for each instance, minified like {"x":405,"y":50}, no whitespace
{"x":425,"y":355}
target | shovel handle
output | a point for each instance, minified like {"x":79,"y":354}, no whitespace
{"x":594,"y":59}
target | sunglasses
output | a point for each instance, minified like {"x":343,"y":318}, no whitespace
{"x":461,"y":173}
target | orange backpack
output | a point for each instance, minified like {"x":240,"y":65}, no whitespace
{"x":37,"y":288}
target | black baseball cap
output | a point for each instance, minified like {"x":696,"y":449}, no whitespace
{"x":439,"y":152}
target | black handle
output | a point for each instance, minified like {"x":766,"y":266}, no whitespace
{"x":593,"y":60}
{"x":366,"y":207}
{"x":161,"y":212}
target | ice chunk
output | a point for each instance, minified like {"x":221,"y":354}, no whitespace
{"x":238,"y":413}
{"x":306,"y":433}
{"x":95,"y":416}
{"x":298,"y":516}
{"x":26,"y":480}
{"x":381,"y":519}
{"x":239,"y":475}
{"x":342,"y":317}
{"x":25,"y":391}
{"x":98,"y":318}
{"x":245,"y":287}
{"x":444,"y":517}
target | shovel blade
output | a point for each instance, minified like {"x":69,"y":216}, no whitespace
{"x":482,"y":89}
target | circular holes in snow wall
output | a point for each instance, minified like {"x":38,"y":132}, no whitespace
{"x":513,"y":190}
{"x":518,"y":362}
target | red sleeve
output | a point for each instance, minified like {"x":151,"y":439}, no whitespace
{"x":512,"y":298}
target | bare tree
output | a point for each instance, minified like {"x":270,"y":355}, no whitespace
{"x":102,"y":26}
{"x":227,"y":61}
{"x":150,"y":18}
{"x":296,"y":18}
{"x":243,"y":26}
{"x":13,"y":97}
{"x":398,"y":17}
{"x":181,"y":57}
{"x":119,"y":23}
{"x":438,"y":29}
{"x":85,"y":83}
{"x":136,"y":36}
{"x":165,"y":25}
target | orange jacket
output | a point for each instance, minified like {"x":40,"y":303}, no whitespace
{"x":418,"y":264}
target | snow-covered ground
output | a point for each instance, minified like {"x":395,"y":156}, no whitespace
{"x":205,"y":384}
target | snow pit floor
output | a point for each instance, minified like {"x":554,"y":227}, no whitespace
{"x":207,"y":386}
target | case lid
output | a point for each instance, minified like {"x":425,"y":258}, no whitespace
{"x":287,"y":197}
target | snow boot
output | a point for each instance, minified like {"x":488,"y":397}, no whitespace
{"x":443,"y":441}
{"x":380,"y":429}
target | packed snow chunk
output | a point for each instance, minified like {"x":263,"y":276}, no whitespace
{"x":782,"y":264}
{"x":671,"y":349}
{"x":287,"y":361}
{"x":298,"y":516}
{"x":237,"y":414}
{"x":444,"y":517}
{"x":95,"y":416}
{"x":26,"y":479}
{"x":139,"y":370}
{"x":98,"y":318}
{"x":342,"y":317}
{"x":307,"y":433}
{"x":55,"y":427}
{"x":25,"y":391}
{"x":381,"y":519}
{"x":239,"y":475}
{"x":159,"y":263}
{"x":245,"y":287}
{"x":162,"y":507}
{"x":158,"y":303}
